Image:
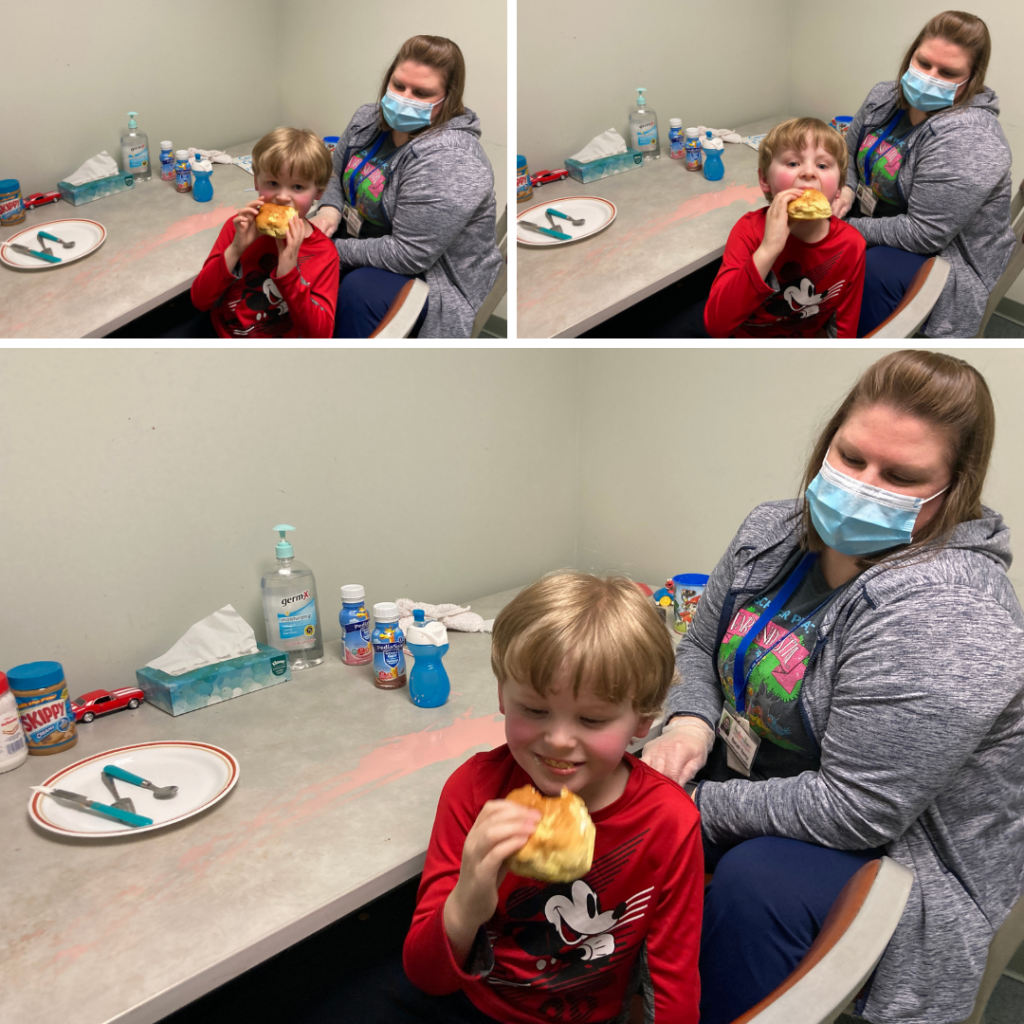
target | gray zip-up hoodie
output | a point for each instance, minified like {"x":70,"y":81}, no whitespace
{"x":913,"y":692}
{"x":440,"y":202}
{"x":955,"y":179}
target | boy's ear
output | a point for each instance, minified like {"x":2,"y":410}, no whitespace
{"x":501,"y":700}
{"x":765,"y":187}
{"x":644,"y":727}
{"x":320,"y":192}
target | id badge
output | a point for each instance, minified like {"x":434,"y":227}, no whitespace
{"x":353,"y":221}
{"x":868,"y":200}
{"x":740,"y":742}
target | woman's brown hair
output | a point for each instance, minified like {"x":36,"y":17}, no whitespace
{"x":944,"y":391}
{"x":968,"y":32}
{"x":443,"y":56}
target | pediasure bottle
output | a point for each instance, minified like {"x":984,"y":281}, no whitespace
{"x":355,"y":625}
{"x":290,"y":607}
{"x":676,"y":139}
{"x":388,"y":641}
{"x":167,"y":162}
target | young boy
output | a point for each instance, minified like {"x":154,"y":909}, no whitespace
{"x":583,"y":665}
{"x":256,"y":286}
{"x":785,"y":278}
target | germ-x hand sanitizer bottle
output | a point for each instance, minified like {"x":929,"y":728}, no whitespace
{"x":643,"y":129}
{"x":291,"y":609}
{"x":135,"y":150}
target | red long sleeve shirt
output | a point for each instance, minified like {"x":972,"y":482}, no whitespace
{"x":811,"y":289}
{"x":564,"y":952}
{"x":255,"y":303}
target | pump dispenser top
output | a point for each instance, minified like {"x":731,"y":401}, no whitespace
{"x":640,"y":104}
{"x":284,"y":549}
{"x":132,"y":114}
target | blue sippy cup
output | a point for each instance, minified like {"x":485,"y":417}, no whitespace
{"x":202,"y":190}
{"x":714,"y":169}
{"x":427,"y":642}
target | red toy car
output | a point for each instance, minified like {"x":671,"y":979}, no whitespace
{"x":543,"y":177}
{"x":99,"y":702}
{"x":39,"y":199}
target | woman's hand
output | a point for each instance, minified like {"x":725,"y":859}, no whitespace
{"x":682,"y":748}
{"x":245,"y":234}
{"x":501,"y":829}
{"x":842,"y":204}
{"x":776,"y":231}
{"x":288,"y":247}
{"x":327,"y":220}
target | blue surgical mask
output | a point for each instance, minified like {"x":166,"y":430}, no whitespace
{"x":406,"y":115}
{"x":860,"y":519}
{"x":926,"y":93}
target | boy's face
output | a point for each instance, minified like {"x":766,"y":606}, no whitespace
{"x":577,"y":742}
{"x":286,"y":189}
{"x":811,"y":167}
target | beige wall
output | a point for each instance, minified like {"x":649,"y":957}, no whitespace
{"x":141,"y":487}
{"x":679,"y":445}
{"x":214,"y":74}
{"x":828,"y":80}
{"x":581,"y":61}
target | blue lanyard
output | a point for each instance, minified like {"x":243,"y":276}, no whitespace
{"x":739,"y":678}
{"x":868,"y":166}
{"x":353,"y":181}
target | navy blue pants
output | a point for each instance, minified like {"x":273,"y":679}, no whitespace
{"x":364,"y":297}
{"x":887,"y":275}
{"x":764,"y":907}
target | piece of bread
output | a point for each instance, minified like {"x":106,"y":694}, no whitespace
{"x":561,"y":848}
{"x":273,"y":220}
{"x":812,"y":205}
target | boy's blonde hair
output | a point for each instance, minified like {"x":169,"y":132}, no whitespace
{"x":300,"y":150}
{"x":600,"y":630}
{"x":792,"y":134}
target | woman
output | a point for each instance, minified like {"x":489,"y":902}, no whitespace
{"x":883,"y":683}
{"x":930,"y":173}
{"x":413,"y":196}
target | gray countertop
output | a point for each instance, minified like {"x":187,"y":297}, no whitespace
{"x":335,"y":800}
{"x":669,"y":222}
{"x":157,"y":240}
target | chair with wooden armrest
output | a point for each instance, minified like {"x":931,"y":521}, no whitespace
{"x":404,"y":311}
{"x":917,"y":303}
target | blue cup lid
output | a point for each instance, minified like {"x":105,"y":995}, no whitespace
{"x":35,"y":675}
{"x":332,"y":138}
{"x":10,"y":185}
{"x":690,"y":579}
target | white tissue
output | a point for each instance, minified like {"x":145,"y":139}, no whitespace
{"x":218,"y":637}
{"x":102,"y":165}
{"x":606,"y":144}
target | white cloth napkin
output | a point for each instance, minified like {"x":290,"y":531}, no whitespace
{"x":725,"y":134}
{"x":452,"y":616}
{"x":606,"y":144}
{"x":102,"y":165}
{"x":219,"y":637}
{"x":218,"y":156}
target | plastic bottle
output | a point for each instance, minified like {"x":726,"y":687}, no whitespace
{"x":714,"y":169}
{"x":643,"y":128}
{"x":13,"y":748}
{"x":427,"y":642}
{"x":676,"y":139}
{"x":166,"y":161}
{"x":135,"y":150}
{"x":355,"y":625}
{"x":182,"y":171}
{"x":202,"y":192}
{"x":693,"y":150}
{"x":388,"y":640}
{"x":291,"y":609}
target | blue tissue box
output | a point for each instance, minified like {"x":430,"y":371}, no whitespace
{"x":77,"y":195}
{"x":212,"y":684}
{"x":607,"y":165}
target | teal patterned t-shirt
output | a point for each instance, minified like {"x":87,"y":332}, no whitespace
{"x":886,"y":163}
{"x":372,"y":179}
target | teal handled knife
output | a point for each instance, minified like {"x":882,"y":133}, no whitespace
{"x":111,"y":812}
{"x":544,"y":231}
{"x":26,"y":251}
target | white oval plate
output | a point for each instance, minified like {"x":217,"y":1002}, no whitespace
{"x":88,"y":236}
{"x":598,"y":214}
{"x":203,"y":774}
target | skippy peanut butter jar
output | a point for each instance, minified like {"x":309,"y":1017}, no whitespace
{"x":44,"y":706}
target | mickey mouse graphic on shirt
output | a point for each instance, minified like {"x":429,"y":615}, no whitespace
{"x":796,"y":292}
{"x":260,"y":294}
